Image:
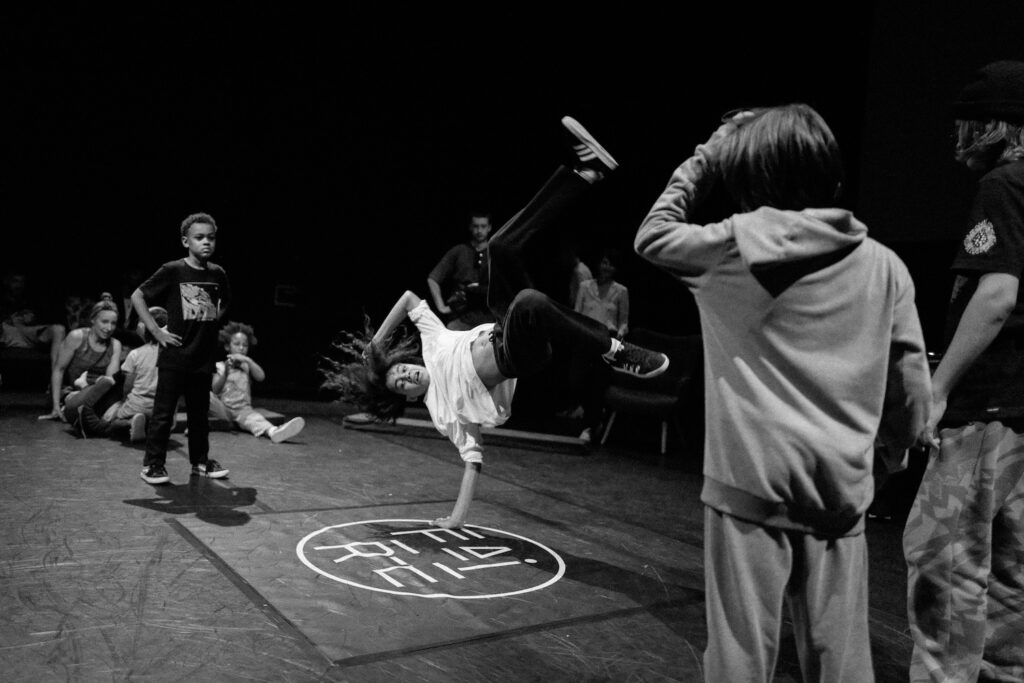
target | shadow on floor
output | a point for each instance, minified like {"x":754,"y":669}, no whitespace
{"x":212,"y":501}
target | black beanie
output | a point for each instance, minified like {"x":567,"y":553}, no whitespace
{"x":996,"y":93}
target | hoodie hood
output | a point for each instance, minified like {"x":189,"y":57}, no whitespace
{"x":780,"y":247}
{"x":768,"y":238}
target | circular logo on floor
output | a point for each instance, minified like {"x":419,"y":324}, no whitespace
{"x":411,"y":557}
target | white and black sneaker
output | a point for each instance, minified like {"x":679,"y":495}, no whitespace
{"x":155,"y":474}
{"x":591,"y":155}
{"x":637,"y":361}
{"x":210,"y":468}
{"x":287,"y":430}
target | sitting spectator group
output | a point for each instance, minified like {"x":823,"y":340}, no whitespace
{"x":103,"y":374}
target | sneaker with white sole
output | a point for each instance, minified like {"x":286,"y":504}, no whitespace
{"x":287,"y":430}
{"x":137,"y":428}
{"x":155,"y":474}
{"x":210,"y":468}
{"x":591,"y":155}
{"x":637,"y":361}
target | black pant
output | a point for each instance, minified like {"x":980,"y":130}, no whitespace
{"x":171,"y":385}
{"x":532,"y":324}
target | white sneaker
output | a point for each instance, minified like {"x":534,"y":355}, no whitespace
{"x":287,"y":430}
{"x":585,"y":435}
{"x":137,"y":428}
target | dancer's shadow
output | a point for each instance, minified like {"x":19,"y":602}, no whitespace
{"x":211,"y":500}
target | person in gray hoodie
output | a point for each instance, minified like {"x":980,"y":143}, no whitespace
{"x":811,"y":336}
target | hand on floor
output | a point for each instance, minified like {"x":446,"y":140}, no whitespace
{"x":447,"y":523}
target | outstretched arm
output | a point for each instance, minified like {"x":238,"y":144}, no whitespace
{"x":466,"y":491}
{"x":398,"y":313}
{"x":466,"y":437}
{"x":67,"y":350}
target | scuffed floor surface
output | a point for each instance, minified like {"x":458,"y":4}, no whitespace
{"x":313,"y":562}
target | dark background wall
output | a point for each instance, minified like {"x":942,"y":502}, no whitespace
{"x":340,"y":149}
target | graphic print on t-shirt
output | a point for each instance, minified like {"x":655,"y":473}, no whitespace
{"x":199,"y":300}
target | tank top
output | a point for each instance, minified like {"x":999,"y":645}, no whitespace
{"x":88,"y":360}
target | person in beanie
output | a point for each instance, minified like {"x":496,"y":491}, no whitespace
{"x":964,"y":539}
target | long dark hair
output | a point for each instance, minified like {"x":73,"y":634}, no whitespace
{"x":362,"y":380}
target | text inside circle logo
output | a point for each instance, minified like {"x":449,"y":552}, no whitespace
{"x":411,"y":557}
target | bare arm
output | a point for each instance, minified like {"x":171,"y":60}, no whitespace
{"x":255,"y":371}
{"x":435,"y":294}
{"x":129,"y":382}
{"x":398,"y":313}
{"x":984,"y":317}
{"x":67,"y":350}
{"x":219,"y":378}
{"x":623,"y":317}
{"x":467,"y":489}
{"x":164,"y":337}
{"x":115,"y":358}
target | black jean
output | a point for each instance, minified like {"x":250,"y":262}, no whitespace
{"x":171,"y":385}
{"x":532,"y":324}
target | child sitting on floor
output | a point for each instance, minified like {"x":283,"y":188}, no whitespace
{"x":140,"y":378}
{"x":231,"y":398}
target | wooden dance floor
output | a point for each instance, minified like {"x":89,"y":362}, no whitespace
{"x":314,"y":561}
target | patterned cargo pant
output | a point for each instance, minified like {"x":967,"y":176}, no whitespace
{"x":964,"y":544}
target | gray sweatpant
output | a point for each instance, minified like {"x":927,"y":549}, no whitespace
{"x":751,"y":571}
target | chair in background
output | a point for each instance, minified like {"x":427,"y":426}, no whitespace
{"x":664,"y":397}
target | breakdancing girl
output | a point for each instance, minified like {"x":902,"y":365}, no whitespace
{"x":467,"y":378}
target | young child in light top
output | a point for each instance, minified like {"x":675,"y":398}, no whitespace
{"x":807,"y":322}
{"x":140,"y":378}
{"x":231,"y":397}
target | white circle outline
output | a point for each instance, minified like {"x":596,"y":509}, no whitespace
{"x":558,"y":575}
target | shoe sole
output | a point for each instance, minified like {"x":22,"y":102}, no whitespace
{"x":581,"y":134}
{"x":154,"y":480}
{"x":136,"y":433}
{"x":220,"y":474}
{"x":288,"y":430}
{"x":650,"y":375}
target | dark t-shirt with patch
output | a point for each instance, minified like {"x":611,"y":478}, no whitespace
{"x":993,"y":387}
{"x":195,"y":300}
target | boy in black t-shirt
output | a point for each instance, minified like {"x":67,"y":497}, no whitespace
{"x":196,"y":294}
{"x":964,"y":539}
